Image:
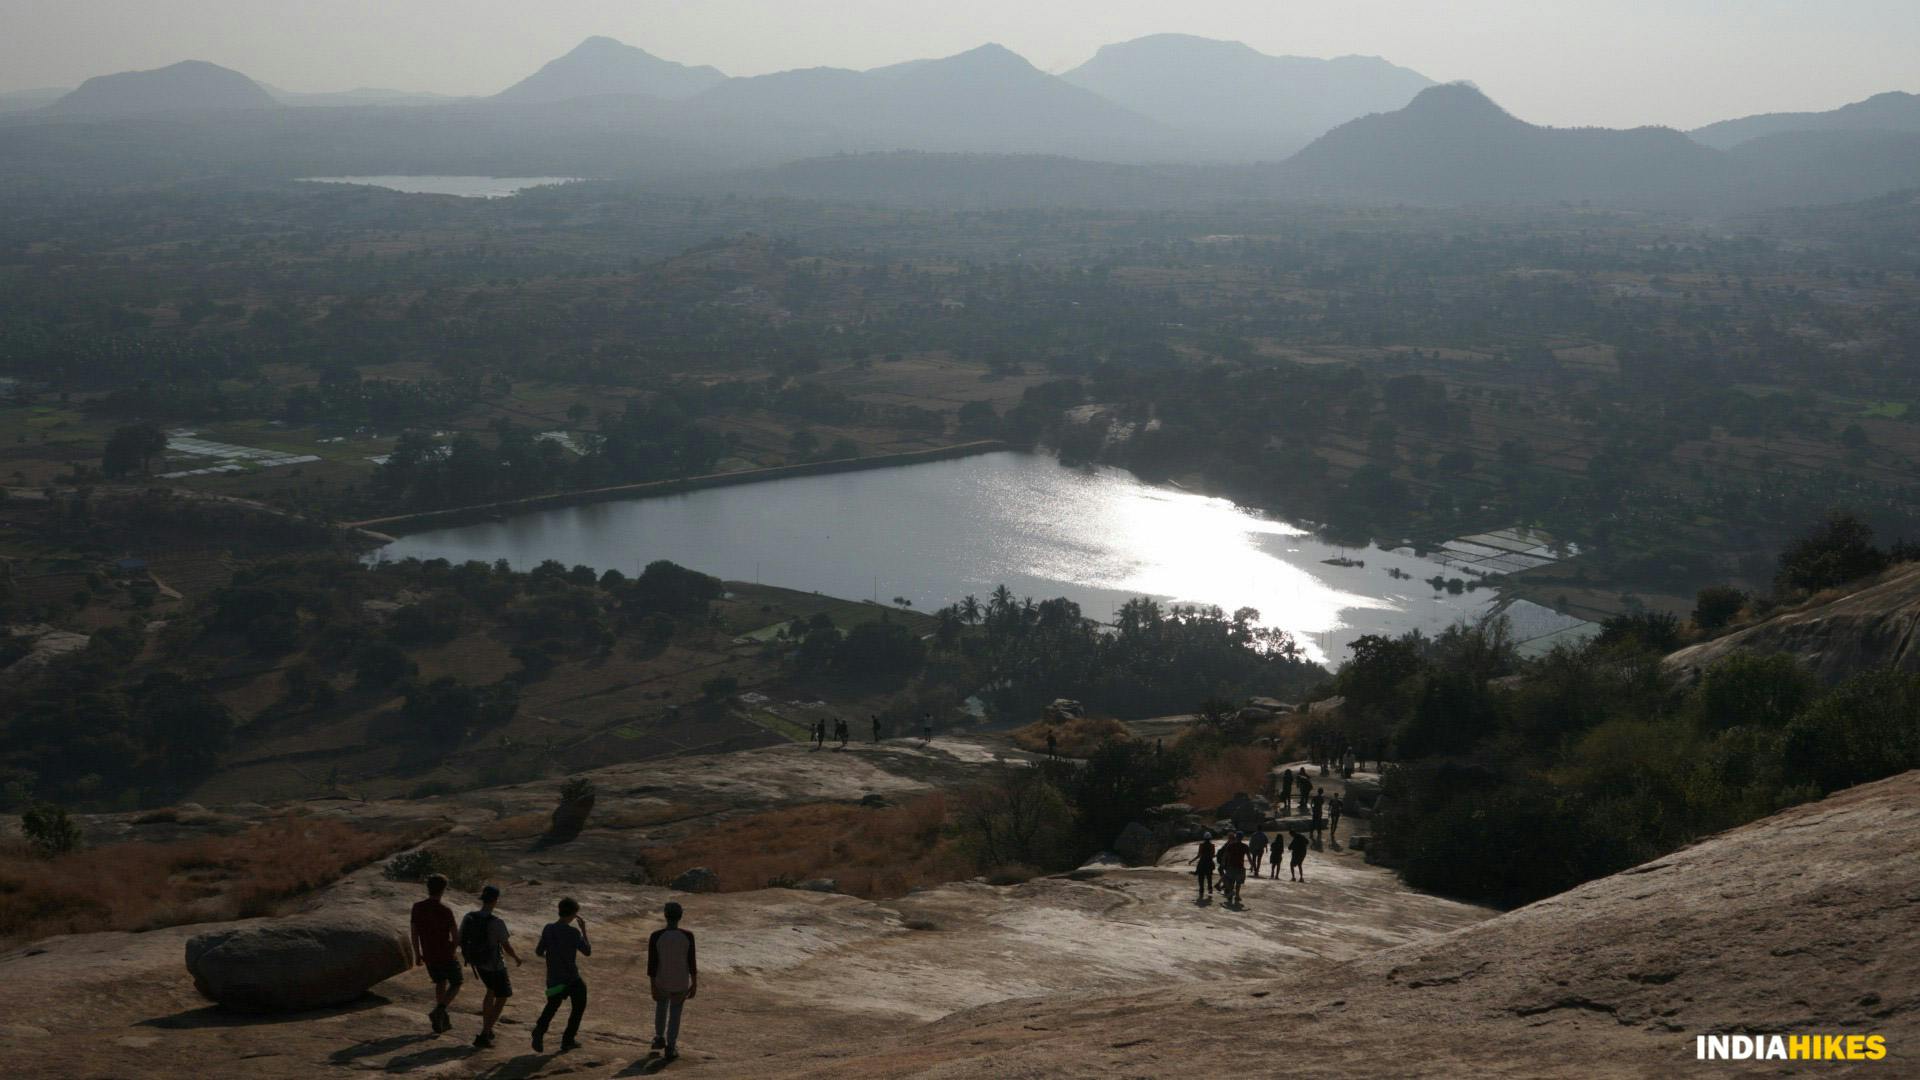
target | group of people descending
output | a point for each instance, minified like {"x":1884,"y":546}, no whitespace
{"x":841,"y":732}
{"x":1326,"y":812}
{"x":482,"y":942}
{"x":1224,"y":870}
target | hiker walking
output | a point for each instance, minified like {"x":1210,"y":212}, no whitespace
{"x":483,"y":938}
{"x":1233,"y":866}
{"x":1297,"y":862}
{"x":1053,"y":746}
{"x":1204,"y":869}
{"x":1334,"y":809}
{"x":436,"y":944}
{"x":817,"y":734}
{"x":926,"y":727}
{"x":876,"y":729}
{"x":840,"y":731}
{"x":1256,"y":847}
{"x":1319,"y":808}
{"x":1286,"y":787}
{"x":675,"y":977}
{"x":562,"y":944}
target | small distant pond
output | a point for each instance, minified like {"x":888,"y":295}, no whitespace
{"x":469,"y":187}
{"x":935,"y":532}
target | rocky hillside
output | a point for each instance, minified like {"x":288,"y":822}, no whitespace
{"x":1800,"y":923}
{"x":1874,"y":627}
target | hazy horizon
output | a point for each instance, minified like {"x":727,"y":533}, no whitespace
{"x":1614,"y":63}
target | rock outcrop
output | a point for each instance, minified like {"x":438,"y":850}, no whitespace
{"x":1874,"y":627}
{"x":697,"y":880}
{"x":287,"y":965}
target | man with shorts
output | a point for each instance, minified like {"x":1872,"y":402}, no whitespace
{"x":436,"y":944}
{"x":1257,"y":847}
{"x":1204,"y":868}
{"x":483,"y":940}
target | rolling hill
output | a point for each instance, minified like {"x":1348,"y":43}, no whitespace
{"x":1452,"y":144}
{"x":1892,"y":111}
{"x":188,"y":86}
{"x":985,"y":99}
{"x":1267,"y":106}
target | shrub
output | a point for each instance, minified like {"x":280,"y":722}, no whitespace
{"x":1838,"y":550}
{"x":1221,"y":776}
{"x":49,"y":829}
{"x":466,"y":866}
{"x":1716,"y":605}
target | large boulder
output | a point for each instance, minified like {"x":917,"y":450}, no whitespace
{"x":1244,"y":810}
{"x":286,"y":965}
{"x":698,"y":879}
{"x":1137,"y":844}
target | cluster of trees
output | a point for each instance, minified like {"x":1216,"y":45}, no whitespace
{"x":121,"y":723}
{"x":1598,"y":757}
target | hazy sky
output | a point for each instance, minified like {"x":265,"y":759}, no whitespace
{"x":1611,"y":62}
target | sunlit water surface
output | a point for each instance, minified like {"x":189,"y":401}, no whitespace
{"x":471,"y":187}
{"x":936,"y":532}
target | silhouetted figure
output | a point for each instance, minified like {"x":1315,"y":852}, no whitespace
{"x":1334,"y":810}
{"x":436,"y":944}
{"x":1286,"y":787}
{"x":926,"y":728}
{"x":876,"y":728}
{"x":1053,"y":746}
{"x":562,"y":944}
{"x":1233,"y":866}
{"x":1297,"y":858}
{"x":1204,"y":868}
{"x":1256,"y":847}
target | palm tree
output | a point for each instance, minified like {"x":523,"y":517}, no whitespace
{"x":969,"y":610}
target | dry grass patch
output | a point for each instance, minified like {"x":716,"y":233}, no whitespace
{"x":1236,"y":769}
{"x":144,"y":886}
{"x":1077,"y":738}
{"x":877,"y":853}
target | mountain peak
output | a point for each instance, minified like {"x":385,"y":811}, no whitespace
{"x":1455,"y":99}
{"x":601,"y":66}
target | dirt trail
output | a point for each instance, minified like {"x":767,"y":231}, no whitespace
{"x":782,"y":969}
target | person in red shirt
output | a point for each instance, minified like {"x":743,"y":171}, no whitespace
{"x":436,"y":944}
{"x":1233,"y":866}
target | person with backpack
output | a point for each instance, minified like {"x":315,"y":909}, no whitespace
{"x":562,"y":944}
{"x":436,"y":944}
{"x":674,"y":973}
{"x":1256,"y":847}
{"x":483,"y":938}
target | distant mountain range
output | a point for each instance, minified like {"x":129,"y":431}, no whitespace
{"x":1161,"y":120}
{"x":1452,"y":145}
{"x":1892,"y":111}
{"x":188,"y":86}
{"x":602,"y":66}
{"x":1265,"y":106}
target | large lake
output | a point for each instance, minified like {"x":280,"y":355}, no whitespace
{"x":935,"y":532}
{"x":471,"y":187}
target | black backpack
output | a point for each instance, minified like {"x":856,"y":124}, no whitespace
{"x":474,"y":947}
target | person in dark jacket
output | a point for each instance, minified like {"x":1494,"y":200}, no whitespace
{"x":563,"y":944}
